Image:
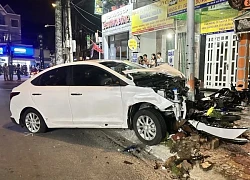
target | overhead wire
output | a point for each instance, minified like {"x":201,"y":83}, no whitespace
{"x":86,"y":27}
{"x":84,"y":16}
{"x":85,"y":11}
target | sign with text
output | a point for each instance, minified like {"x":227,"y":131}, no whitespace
{"x":98,"y":7}
{"x":117,"y":21}
{"x":132,"y":44}
{"x":217,"y":26}
{"x":151,"y":18}
{"x":180,"y":6}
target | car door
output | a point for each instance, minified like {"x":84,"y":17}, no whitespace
{"x":50,"y":95}
{"x":95,"y":98}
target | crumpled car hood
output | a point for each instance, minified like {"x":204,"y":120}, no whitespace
{"x":164,"y":69}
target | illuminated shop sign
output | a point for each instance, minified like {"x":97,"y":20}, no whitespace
{"x":22,"y":51}
{"x":1,"y":50}
{"x":117,"y":21}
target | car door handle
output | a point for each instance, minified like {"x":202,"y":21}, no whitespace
{"x":76,"y":94}
{"x":36,"y":94}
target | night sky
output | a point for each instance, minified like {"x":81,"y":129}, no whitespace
{"x":36,"y":13}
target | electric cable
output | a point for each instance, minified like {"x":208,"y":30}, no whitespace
{"x":85,"y":17}
{"x":85,"y":11}
{"x":86,"y":27}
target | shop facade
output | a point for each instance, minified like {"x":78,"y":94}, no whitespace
{"x":21,"y":54}
{"x":116,"y":30}
{"x":220,"y":46}
{"x":152,"y":30}
{"x":216,"y":45}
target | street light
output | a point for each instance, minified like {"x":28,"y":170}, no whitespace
{"x":49,"y":25}
{"x":54,"y":5}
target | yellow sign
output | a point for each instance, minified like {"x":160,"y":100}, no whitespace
{"x":180,"y":6}
{"x":217,"y":26}
{"x":132,"y":44}
{"x":151,"y":18}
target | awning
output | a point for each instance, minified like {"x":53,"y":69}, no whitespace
{"x":242,"y":23}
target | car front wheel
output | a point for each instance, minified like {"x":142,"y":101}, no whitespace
{"x":34,"y":122}
{"x":149,"y":126}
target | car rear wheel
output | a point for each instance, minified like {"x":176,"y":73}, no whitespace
{"x":34,"y":122}
{"x":149,"y":126}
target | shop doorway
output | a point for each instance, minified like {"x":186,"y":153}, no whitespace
{"x":220,"y":60}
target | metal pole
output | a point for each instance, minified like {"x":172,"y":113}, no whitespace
{"x":58,"y":33}
{"x":120,"y":53}
{"x":65,"y":32}
{"x":190,"y":47}
{"x":70,"y":32}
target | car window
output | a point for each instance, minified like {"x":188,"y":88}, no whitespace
{"x":55,"y":77}
{"x":88,"y":75}
{"x":121,"y":66}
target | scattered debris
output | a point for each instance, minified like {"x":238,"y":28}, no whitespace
{"x":127,"y":162}
{"x":178,"y":136}
{"x":186,"y":165}
{"x":157,"y":165}
{"x":133,"y":148}
{"x":206,"y":165}
{"x":170,"y":161}
{"x":215,"y":143}
{"x":28,"y":134}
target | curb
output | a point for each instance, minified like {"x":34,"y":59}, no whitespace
{"x":144,"y":152}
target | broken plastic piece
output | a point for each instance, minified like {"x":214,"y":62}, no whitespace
{"x":226,"y":133}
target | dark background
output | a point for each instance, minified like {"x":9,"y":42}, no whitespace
{"x":37,"y":13}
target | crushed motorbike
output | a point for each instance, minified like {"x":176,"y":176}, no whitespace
{"x":225,"y":98}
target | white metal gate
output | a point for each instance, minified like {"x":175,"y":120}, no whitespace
{"x":221,"y":60}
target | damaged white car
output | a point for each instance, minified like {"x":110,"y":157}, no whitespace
{"x":101,"y":94}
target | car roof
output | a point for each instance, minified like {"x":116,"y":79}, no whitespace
{"x":91,"y":62}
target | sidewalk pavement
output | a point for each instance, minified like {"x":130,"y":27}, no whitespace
{"x":23,"y":78}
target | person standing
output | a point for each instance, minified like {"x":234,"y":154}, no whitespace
{"x":6,"y":72}
{"x":145,"y":58}
{"x":159,"y":59}
{"x":143,"y":63}
{"x":18,"y":72}
{"x":140,"y":58}
{"x":11,"y":71}
{"x":153,"y":61}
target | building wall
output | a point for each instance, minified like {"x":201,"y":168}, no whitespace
{"x":7,"y":31}
{"x":15,"y":32}
{"x":147,"y":44}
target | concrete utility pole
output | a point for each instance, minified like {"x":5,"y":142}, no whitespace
{"x":58,"y":33}
{"x":71,"y":59}
{"x":190,"y":47}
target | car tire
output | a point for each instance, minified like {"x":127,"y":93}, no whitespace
{"x":151,"y":132}
{"x":34,"y":122}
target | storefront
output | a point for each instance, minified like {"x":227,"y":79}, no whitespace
{"x":116,"y":27}
{"x":220,"y":46}
{"x":22,"y":54}
{"x":152,"y":30}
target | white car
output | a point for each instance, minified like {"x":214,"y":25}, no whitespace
{"x":99,"y":94}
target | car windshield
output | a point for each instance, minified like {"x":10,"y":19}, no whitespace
{"x":121,"y":66}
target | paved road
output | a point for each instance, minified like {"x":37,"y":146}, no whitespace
{"x":62,"y":154}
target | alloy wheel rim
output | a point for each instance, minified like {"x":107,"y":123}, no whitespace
{"x":146,"y":127}
{"x":32,"y":122}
